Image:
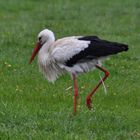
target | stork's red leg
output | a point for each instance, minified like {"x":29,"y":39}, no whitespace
{"x":75,"y":92}
{"x":88,"y":98}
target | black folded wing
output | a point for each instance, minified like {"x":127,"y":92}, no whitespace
{"x":97,"y":48}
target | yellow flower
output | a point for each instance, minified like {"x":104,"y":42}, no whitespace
{"x":9,"y":65}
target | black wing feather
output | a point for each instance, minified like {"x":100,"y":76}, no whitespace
{"x":96,"y":49}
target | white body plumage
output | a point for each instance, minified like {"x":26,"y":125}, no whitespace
{"x":53,"y":55}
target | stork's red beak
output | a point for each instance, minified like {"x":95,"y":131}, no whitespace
{"x":35,"y":51}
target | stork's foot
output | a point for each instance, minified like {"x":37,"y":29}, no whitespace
{"x":88,"y":102}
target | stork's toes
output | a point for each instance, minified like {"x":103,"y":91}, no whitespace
{"x":88,"y":102}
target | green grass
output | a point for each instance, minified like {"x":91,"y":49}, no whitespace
{"x":31,"y":108}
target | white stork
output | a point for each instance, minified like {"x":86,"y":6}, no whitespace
{"x":76,"y":54}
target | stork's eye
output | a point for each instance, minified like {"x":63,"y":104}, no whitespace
{"x":39,"y":38}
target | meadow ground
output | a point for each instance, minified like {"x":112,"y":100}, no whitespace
{"x":31,"y":108}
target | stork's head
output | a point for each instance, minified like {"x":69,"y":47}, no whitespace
{"x":45,"y":36}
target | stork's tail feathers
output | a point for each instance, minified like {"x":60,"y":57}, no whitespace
{"x":125,"y":47}
{"x":120,"y":47}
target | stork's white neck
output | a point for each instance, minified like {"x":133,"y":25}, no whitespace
{"x":44,"y":53}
